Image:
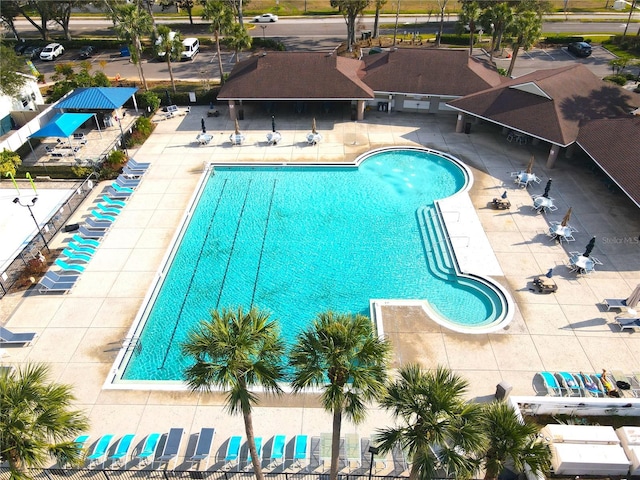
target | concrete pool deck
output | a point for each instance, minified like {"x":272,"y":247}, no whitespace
{"x":79,"y":334}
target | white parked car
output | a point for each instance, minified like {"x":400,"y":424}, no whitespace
{"x":51,"y":51}
{"x":266,"y":18}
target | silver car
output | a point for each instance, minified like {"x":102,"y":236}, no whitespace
{"x":266,"y":18}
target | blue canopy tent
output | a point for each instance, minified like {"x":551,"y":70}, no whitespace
{"x":62,"y":125}
{"x":98,"y":98}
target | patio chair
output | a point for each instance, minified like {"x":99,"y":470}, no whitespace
{"x":110,"y":202}
{"x":7,"y":337}
{"x":69,"y":267}
{"x":85,"y":241}
{"x":623,"y":382}
{"x":100,"y":450}
{"x":258,"y":441}
{"x":551,"y":384}
{"x":592,"y":385}
{"x":127,"y":182}
{"x":618,"y":303}
{"x":635,"y":383}
{"x":77,"y":248}
{"x":325,"y":448}
{"x":137,"y":165}
{"x":99,"y":221}
{"x":91,"y":233}
{"x":572,"y":385}
{"x":352,"y":450}
{"x":119,"y":457}
{"x":300,"y":450}
{"x":132,"y":174}
{"x":52,"y":282}
{"x":628,"y":323}
{"x":108,"y":210}
{"x":148,"y":451}
{"x":203,"y":446}
{"x":233,"y":452}
{"x":277,"y":450}
{"x":76,"y":256}
{"x":118,"y":191}
{"x":171,"y":446}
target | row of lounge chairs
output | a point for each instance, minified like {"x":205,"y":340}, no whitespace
{"x":82,"y":247}
{"x":599,"y":385}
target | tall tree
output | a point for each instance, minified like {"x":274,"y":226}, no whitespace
{"x":171,"y":47}
{"x":526,"y":28}
{"x":350,"y":9}
{"x":12,"y":70}
{"x":131,"y":24}
{"x":60,"y":13}
{"x":238,"y":39}
{"x":221,"y":18}
{"x":442,"y":5}
{"x":188,"y":6}
{"x":376,"y":20}
{"x":341,"y":355}
{"x":513,"y":443}
{"x":36,"y":420}
{"x":497,"y":18}
{"x":470,"y":15}
{"x":8,"y":14}
{"x":437,"y":428}
{"x":34,"y":10}
{"x":237,"y":351}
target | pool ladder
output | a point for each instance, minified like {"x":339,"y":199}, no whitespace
{"x":132,"y":344}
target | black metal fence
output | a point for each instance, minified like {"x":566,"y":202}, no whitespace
{"x":40,"y":243}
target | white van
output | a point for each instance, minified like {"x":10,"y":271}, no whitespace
{"x":190,"y":48}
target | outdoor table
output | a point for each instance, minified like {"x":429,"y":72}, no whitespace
{"x":561,"y":232}
{"x":582,"y":263}
{"x":541,"y":204}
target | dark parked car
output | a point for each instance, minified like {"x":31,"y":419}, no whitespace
{"x":19,"y":47}
{"x":32,"y":52}
{"x":87,"y":51}
{"x":580,"y":49}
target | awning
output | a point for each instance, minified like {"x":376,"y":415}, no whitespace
{"x":62,"y":125}
{"x":97,"y":98}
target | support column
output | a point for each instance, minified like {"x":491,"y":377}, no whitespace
{"x":460,"y":123}
{"x":553,"y":155}
{"x":360,"y":108}
{"x":232,"y":109}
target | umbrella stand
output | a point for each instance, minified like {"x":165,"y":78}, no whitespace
{"x":204,"y":128}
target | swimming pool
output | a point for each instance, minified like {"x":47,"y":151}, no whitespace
{"x":299,"y":240}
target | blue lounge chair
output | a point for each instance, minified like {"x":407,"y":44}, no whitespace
{"x":101,"y":218}
{"x":116,"y":191}
{"x":300,"y":450}
{"x":77,"y":248}
{"x":95,"y":224}
{"x":233,"y":451}
{"x":258,"y":441}
{"x":99,"y":453}
{"x":148,"y":451}
{"x":107,"y":210}
{"x":127,"y":182}
{"x":52,"y":282}
{"x":131,"y":173}
{"x":137,"y":165}
{"x":592,"y":385}
{"x":277,"y":449}
{"x":79,"y":257}
{"x":85,"y":241}
{"x":91,"y":232}
{"x":69,"y":267}
{"x":113,"y":203}
{"x":171,"y":446}
{"x":571,"y":384}
{"x":7,"y":337}
{"x":203,"y":446}
{"x":551,"y":384}
{"x":119,"y":457}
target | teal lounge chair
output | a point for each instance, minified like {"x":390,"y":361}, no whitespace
{"x":116,"y":191}
{"x":85,"y":241}
{"x":551,"y":384}
{"x":69,"y":267}
{"x":571,"y":384}
{"x":277,"y":449}
{"x":233,"y":451}
{"x":81,"y":443}
{"x":258,"y":441}
{"x":102,"y":218}
{"x":113,"y":203}
{"x":203,"y":446}
{"x":77,"y":248}
{"x":99,"y":453}
{"x":76,"y":256}
{"x":148,"y":452}
{"x":119,"y":457}
{"x":592,"y":385}
{"x":300,"y":450}
{"x":107,"y":210}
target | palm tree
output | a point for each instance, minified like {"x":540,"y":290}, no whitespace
{"x":341,"y":355}
{"x":513,"y":442}
{"x":238,"y":38}
{"x":170,"y":47}
{"x":221,"y":17}
{"x":36,"y":420}
{"x":236,"y":351}
{"x":131,"y":23}
{"x":527,"y":28}
{"x":438,"y":429}
{"x":497,"y":18}
{"x":470,"y":15}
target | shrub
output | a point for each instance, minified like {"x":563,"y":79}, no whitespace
{"x":149,"y":101}
{"x":116,"y":159}
{"x":9,"y":162}
{"x":618,"y":79}
{"x":144,"y":126}
{"x":81,"y":172}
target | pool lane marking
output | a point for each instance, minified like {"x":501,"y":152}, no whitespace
{"x":233,"y":244}
{"x":184,"y":300}
{"x":264,"y":239}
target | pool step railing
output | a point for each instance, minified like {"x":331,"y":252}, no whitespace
{"x":436,"y":244}
{"x":132,"y":344}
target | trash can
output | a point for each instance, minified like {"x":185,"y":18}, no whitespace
{"x":467,"y":128}
{"x":503,"y":389}
{"x":124,"y":51}
{"x":366,"y":35}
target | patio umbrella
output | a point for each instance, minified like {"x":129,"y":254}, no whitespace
{"x":530,"y":166}
{"x":590,"y":245}
{"x":204,"y":128}
{"x":167,"y":97}
{"x":504,"y":194}
{"x":313,"y":126}
{"x":549,"y":274}
{"x":634,"y":298}
{"x":546,"y":189}
{"x":273,"y":123}
{"x":237,"y":127}
{"x":566,"y":218}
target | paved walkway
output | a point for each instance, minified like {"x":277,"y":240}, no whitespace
{"x":80,"y":333}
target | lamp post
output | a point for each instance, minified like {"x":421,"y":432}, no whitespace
{"x":33,"y":202}
{"x":263,"y":27}
{"x":373,"y":451}
{"x":124,"y":143}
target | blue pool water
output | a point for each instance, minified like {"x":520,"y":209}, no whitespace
{"x":297,"y":241}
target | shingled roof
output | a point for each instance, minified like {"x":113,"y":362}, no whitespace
{"x":429,"y":72}
{"x":614,"y":144}
{"x":550,"y":104}
{"x":296,"y":76}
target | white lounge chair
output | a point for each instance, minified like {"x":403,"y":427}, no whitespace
{"x":7,"y":337}
{"x":618,"y":303}
{"x":628,"y":323}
